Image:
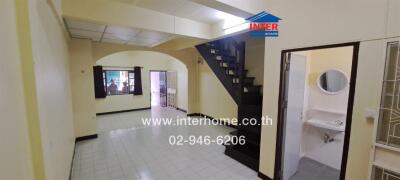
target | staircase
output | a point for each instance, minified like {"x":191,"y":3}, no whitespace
{"x":226,"y":58}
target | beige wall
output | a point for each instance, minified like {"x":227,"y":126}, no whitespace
{"x":149,"y":61}
{"x":51,"y":65}
{"x":321,"y":61}
{"x":214,"y":100}
{"x":82,"y":88}
{"x":181,"y":83}
{"x":15,"y":153}
{"x":254,"y":56}
{"x":38,"y":118}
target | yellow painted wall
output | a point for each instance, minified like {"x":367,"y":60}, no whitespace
{"x":15,"y":151}
{"x":182,"y":83}
{"x":149,"y":61}
{"x":82,"y":88}
{"x":326,"y":59}
{"x":254,"y":56}
{"x":38,"y":91}
{"x":214,"y":99}
{"x":53,"y":90}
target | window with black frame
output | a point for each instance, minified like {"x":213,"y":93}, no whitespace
{"x":118,"y":82}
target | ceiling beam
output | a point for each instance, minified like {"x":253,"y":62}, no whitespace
{"x":227,"y":7}
{"x":121,"y":14}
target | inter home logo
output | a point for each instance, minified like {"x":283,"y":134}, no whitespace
{"x":264,"y":25}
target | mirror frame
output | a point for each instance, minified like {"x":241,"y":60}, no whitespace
{"x":337,"y":92}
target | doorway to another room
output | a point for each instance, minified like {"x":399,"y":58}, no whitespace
{"x":158,"y":88}
{"x":315,"y":108}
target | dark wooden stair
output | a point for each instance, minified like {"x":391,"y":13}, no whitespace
{"x":226,"y":58}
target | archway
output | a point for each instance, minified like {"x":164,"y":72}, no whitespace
{"x":188,"y":57}
{"x":123,"y":62}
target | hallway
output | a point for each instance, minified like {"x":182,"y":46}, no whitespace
{"x":125,"y":149}
{"x":76,"y":89}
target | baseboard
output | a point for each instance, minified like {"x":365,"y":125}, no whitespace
{"x":82,"y":138}
{"x":209,"y":117}
{"x":194,"y":114}
{"x":179,"y":109}
{"x":122,"y":111}
{"x":72,"y":163}
{"x":263,"y":176}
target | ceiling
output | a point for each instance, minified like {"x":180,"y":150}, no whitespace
{"x":181,"y":8}
{"x":116,"y":34}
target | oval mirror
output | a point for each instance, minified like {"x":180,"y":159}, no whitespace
{"x":332,"y":81}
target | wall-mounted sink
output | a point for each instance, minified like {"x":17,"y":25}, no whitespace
{"x":332,"y":125}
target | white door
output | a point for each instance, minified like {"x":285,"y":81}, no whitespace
{"x":294,"y":111}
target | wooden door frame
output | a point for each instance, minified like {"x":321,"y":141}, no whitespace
{"x":282,"y":85}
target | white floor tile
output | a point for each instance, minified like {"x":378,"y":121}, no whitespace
{"x":126,"y":149}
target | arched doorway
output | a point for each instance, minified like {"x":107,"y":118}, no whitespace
{"x":117,"y":68}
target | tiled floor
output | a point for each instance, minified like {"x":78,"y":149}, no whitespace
{"x":132,"y":120}
{"x":127,"y":150}
{"x":313,"y":170}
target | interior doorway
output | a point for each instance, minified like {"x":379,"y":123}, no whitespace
{"x":158,"y":88}
{"x":316,"y":98}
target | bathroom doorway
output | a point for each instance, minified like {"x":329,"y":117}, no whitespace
{"x":158,"y":88}
{"x":315,"y":107}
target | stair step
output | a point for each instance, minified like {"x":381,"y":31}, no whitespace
{"x":210,"y":44}
{"x":246,"y":155}
{"x":235,"y":80}
{"x":229,"y":61}
{"x":251,"y":98}
{"x":248,"y":80}
{"x":254,"y":129}
{"x":227,"y":65}
{"x":245,"y":72}
{"x":230,"y":71}
{"x":252,"y":138}
{"x":252,"y":89}
{"x":251,"y":108}
{"x":216,"y":51}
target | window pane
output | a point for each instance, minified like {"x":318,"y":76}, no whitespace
{"x":383,"y":174}
{"x":104,"y":81}
{"x":117,"y":82}
{"x":131,"y":85}
{"x":389,"y":116}
{"x":131,"y":75}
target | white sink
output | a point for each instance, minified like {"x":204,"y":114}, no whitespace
{"x":333,"y":125}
